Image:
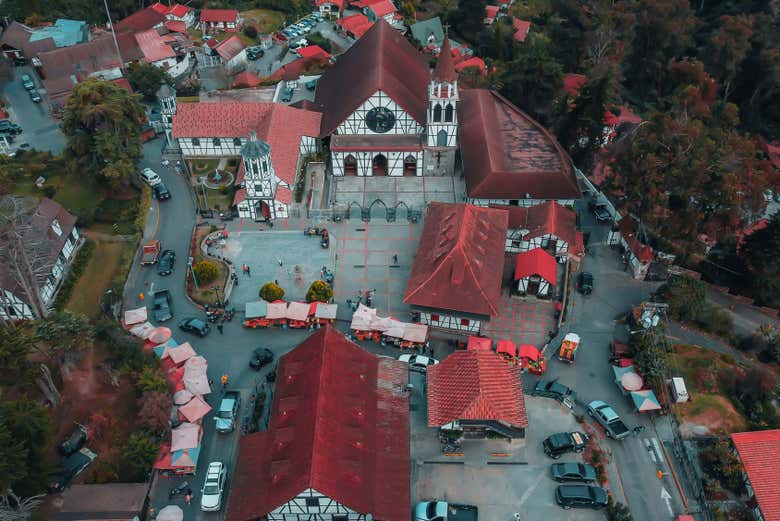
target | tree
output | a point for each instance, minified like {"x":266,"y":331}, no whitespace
{"x":138,"y":454}
{"x":146,"y":78}
{"x":27,"y":422}
{"x":206,"y":271}
{"x":151,"y":381}
{"x":468,"y":17}
{"x":618,"y":511}
{"x":15,"y":346}
{"x":686,"y":297}
{"x":13,"y":457}
{"x":721,"y":462}
{"x":250,"y":31}
{"x":650,"y":357}
{"x":760,"y":250}
{"x":316,"y":38}
{"x":319,"y":291}
{"x":102,"y":122}
{"x":534,"y":80}
{"x":271,"y":292}
{"x":729,"y":47}
{"x":64,"y":333}
{"x":154,"y":412}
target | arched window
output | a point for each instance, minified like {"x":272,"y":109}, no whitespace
{"x":350,"y":165}
{"x":441,"y":138}
{"x":410,"y":165}
{"x":437,"y":113}
{"x":379,"y":165}
{"x":236,"y":141}
{"x":449,"y":112}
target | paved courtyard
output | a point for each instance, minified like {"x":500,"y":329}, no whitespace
{"x":522,"y":321}
{"x":416,"y":192}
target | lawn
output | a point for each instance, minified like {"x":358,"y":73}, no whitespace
{"x":266,"y":21}
{"x":215,"y":199}
{"x":97,"y":276}
{"x":199,"y":167}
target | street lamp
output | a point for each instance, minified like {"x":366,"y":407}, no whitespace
{"x":194,"y":278}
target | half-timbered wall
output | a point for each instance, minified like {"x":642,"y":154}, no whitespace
{"x":206,"y":146}
{"x":311,"y":505}
{"x":544,"y":286}
{"x":516,"y":242}
{"x":308,"y":146}
{"x":328,"y":9}
{"x":395,"y":162}
{"x":449,"y":321}
{"x":355,"y":124}
{"x":12,"y":307}
{"x":517,"y":202}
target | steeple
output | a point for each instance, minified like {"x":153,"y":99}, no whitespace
{"x":445,"y":68}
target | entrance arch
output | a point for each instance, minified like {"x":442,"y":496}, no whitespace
{"x":441,"y":138}
{"x":379,"y":165}
{"x":410,"y":165}
{"x":371,"y":211}
{"x":350,"y":165}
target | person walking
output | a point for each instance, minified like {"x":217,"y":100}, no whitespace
{"x":188,"y":497}
{"x":395,"y":258}
{"x":224,"y":380}
{"x":220,"y":327}
{"x":249,"y":271}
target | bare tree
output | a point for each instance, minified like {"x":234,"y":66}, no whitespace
{"x":25,"y":253}
{"x":600,"y":43}
{"x":14,"y":508}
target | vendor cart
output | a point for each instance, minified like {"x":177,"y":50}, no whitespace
{"x":277,"y":313}
{"x":569,"y":346}
{"x":256,"y":315}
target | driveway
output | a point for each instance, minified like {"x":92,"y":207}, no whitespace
{"x":40,"y":131}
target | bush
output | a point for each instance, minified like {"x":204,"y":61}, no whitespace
{"x":316,"y":38}
{"x":618,"y":511}
{"x":271,"y":291}
{"x":151,"y":381}
{"x":686,"y":298}
{"x":250,"y":31}
{"x":721,"y":462}
{"x":319,"y":291}
{"x":76,"y":271}
{"x":206,"y":271}
{"x":716,"y":320}
{"x":138,"y":455}
{"x":597,"y":460}
{"x":754,"y":342}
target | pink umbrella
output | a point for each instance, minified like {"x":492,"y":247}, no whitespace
{"x":159,"y":335}
{"x":182,"y":397}
{"x":631,"y":381}
{"x":195,"y":409}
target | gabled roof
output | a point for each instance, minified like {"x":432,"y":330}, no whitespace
{"x":445,"y":68}
{"x":382,"y":8}
{"x":66,"y":66}
{"x":17,"y":36}
{"x":760,"y":455}
{"x":64,"y":32}
{"x":541,"y":219}
{"x":628,"y":229}
{"x":475,"y":385}
{"x":572,"y":83}
{"x":313,"y":51}
{"x":153,"y":47}
{"x":179,"y":11}
{"x":218,"y":15}
{"x":491,"y":11}
{"x":424,"y":28}
{"x":536,"y":262}
{"x":521,"y":28}
{"x":381,"y":60}
{"x":508,"y":155}
{"x":117,"y":501}
{"x":339,"y":425}
{"x":245,"y":79}
{"x":176,"y":26}
{"x":230,"y":48}
{"x":460,"y":260}
{"x":140,"y":21}
{"x":357,"y":24}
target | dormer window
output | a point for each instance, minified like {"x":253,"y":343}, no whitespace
{"x":55,"y":226}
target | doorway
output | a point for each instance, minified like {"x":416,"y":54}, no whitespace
{"x":350,"y":165}
{"x":379,"y":165}
{"x":410,"y":166}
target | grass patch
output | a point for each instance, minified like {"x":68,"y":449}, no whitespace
{"x":187,"y":99}
{"x":97,"y":277}
{"x":265,"y":20}
{"x":205,"y":293}
{"x":216,"y":199}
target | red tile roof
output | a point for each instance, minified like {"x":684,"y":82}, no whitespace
{"x":357,"y":24}
{"x":245,"y":79}
{"x":445,"y":69}
{"x":521,"y":28}
{"x":459,"y":263}
{"x":176,"y":26}
{"x":278,"y":125}
{"x":140,"y":21}
{"x":508,"y":155}
{"x":339,"y":425}
{"x":382,"y":8}
{"x":381,"y":60}
{"x":178,"y":10}
{"x":218,"y":15}
{"x":475,"y":385}
{"x":541,"y":219}
{"x":643,"y":252}
{"x":572,"y":83}
{"x":239,"y":197}
{"x":153,"y":47}
{"x":230,"y":48}
{"x":491,"y":11}
{"x":536,"y":262}
{"x":475,"y":62}
{"x":313,"y":51}
{"x":337,"y":3}
{"x":760,"y":455}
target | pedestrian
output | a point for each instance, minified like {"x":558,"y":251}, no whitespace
{"x":280,"y":262}
{"x":188,"y":498}
{"x":152,"y":513}
{"x":395,"y":258}
{"x":276,"y":281}
{"x":249,"y":271}
{"x":224,"y":380}
{"x":220,"y":327}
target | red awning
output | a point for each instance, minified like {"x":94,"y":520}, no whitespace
{"x":536,"y":262}
{"x":478,"y":343}
{"x":528,"y":351}
{"x":506,"y":346}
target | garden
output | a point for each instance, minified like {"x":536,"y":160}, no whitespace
{"x":219,"y":175}
{"x":211,"y":274}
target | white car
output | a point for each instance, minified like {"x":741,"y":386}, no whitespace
{"x":418,"y":362}
{"x":213,"y":486}
{"x":150,"y":177}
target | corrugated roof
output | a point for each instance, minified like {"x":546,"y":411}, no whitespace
{"x":536,"y":262}
{"x":459,"y":262}
{"x":313,"y":52}
{"x":17,"y":36}
{"x":141,"y":20}
{"x":760,"y":455}
{"x":475,"y":385}
{"x":508,"y":155}
{"x":64,"y":32}
{"x":425,"y":28}
{"x":218,"y":15}
{"x":382,"y":60}
{"x":153,"y":47}
{"x":230,"y":48}
{"x":66,"y":66}
{"x":339,"y":425}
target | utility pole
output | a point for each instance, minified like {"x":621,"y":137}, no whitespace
{"x":113,"y":34}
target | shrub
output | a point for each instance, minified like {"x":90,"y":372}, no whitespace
{"x":150,"y":380}
{"x":250,"y":31}
{"x":271,"y":291}
{"x":316,"y":38}
{"x":716,"y":320}
{"x":76,"y":271}
{"x":206,"y":271}
{"x":319,"y":291}
{"x":138,"y":454}
{"x":754,"y":342}
{"x":618,"y":511}
{"x":721,"y":462}
{"x":154,"y":412}
{"x":686,"y":298}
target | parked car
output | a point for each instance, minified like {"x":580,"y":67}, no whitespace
{"x":35,"y":96}
{"x":443,"y":511}
{"x":572,"y":471}
{"x":195,"y":325}
{"x":161,"y":192}
{"x":553,"y":389}
{"x":418,"y":363}
{"x":253,"y":53}
{"x":6,"y":127}
{"x":563,"y":442}
{"x":28,"y":82}
{"x":213,"y":486}
{"x":261,"y":357}
{"x":585,"y":283}
{"x":601,"y":213}
{"x":69,"y":468}
{"x":162,"y":310}
{"x":581,"y":496}
{"x":150,"y":177}
{"x":227,"y":414}
{"x":609,"y":419}
{"x":74,"y":442}
{"x":165,"y":262}
{"x":287,"y":95}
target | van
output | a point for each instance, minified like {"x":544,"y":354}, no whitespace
{"x":581,"y":496}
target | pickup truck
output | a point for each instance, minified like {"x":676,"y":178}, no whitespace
{"x":608,"y":419}
{"x":151,"y":251}
{"x":227,"y":415}
{"x":162,"y":305}
{"x":443,"y":511}
{"x":563,"y":442}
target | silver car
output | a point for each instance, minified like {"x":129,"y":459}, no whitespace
{"x":213,"y":486}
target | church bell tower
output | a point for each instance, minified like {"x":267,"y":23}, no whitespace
{"x":442,"y":118}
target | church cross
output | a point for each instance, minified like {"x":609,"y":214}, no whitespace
{"x":446,"y":29}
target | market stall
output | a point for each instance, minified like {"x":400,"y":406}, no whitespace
{"x":325,"y":313}
{"x":508,"y":350}
{"x":134,"y":317}
{"x":297,"y":315}
{"x":185,"y":436}
{"x":645,"y":400}
{"x":195,"y":378}
{"x":194,"y":410}
{"x":415,"y":336}
{"x":276,"y":312}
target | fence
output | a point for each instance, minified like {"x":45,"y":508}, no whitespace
{"x":687,"y":463}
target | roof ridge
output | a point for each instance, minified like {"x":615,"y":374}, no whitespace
{"x":320,"y":398}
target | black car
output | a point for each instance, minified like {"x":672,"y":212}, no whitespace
{"x":165,"y":262}
{"x":581,"y":496}
{"x":261,"y":357}
{"x":563,"y":442}
{"x":253,"y":53}
{"x":195,"y":325}
{"x":601,"y":213}
{"x":161,"y":192}
{"x":552,"y":389}
{"x":74,"y":442}
{"x":69,"y":468}
{"x":563,"y":472}
{"x":585,"y":283}
{"x":6,"y":127}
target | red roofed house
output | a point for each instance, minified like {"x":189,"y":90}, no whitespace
{"x":270,"y":138}
{"x":232,"y":53}
{"x":572,"y":83}
{"x":337,"y":446}
{"x":219,"y":20}
{"x":548,"y":225}
{"x":245,"y":80}
{"x":313,"y":52}
{"x":383,"y":9}
{"x":640,"y":255}
{"x":176,"y":13}
{"x":473,"y":62}
{"x":355,"y":25}
{"x":491,"y":13}
{"x":535,"y":273}
{"x":478,"y":393}
{"x":760,"y":455}
{"x":455,"y":281}
{"x":147,"y":18}
{"x":331,"y":8}
{"x":521,"y":28}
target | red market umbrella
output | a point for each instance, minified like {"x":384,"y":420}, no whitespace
{"x":159,"y":335}
{"x":528,"y":351}
{"x":478,"y":343}
{"x":506,"y":346}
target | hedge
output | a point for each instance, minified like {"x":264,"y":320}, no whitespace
{"x":76,"y":271}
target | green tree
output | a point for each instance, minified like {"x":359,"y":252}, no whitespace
{"x":63,"y":333}
{"x":250,"y":31}
{"x":468,"y":17}
{"x":760,"y":251}
{"x":271,"y":291}
{"x":102,"y":123}
{"x":685,"y":296}
{"x":729,"y":47}
{"x":150,"y":380}
{"x":13,"y":458}
{"x":534,"y":79}
{"x":138,"y":455}
{"x":146,"y":79}
{"x":15,"y":346}
{"x":316,"y":38}
{"x":27,"y":422}
{"x":319,"y":291}
{"x":206,"y":271}
{"x":721,"y":462}
{"x":650,"y":357}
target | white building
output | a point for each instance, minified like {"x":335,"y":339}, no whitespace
{"x":232,"y":53}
